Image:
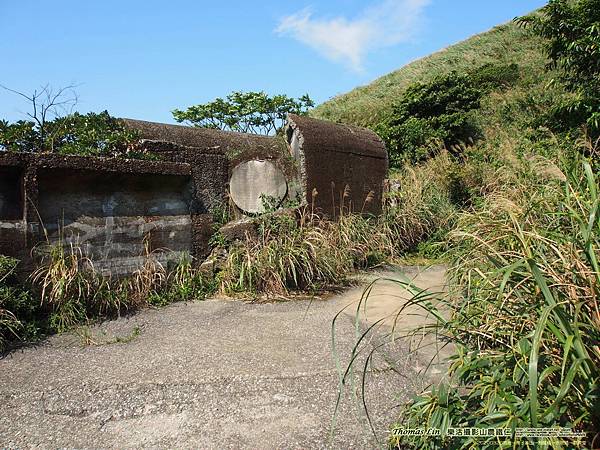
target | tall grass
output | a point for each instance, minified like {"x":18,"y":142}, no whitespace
{"x":74,"y":292}
{"x":287,"y":254}
{"x":183,"y":282}
{"x":69,"y":285}
{"x":420,"y":204}
{"x":524,"y":315}
{"x":527,"y":321}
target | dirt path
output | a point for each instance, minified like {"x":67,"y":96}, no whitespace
{"x":215,"y":374}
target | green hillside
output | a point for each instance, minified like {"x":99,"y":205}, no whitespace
{"x":504,"y":44}
{"x":494,"y":162}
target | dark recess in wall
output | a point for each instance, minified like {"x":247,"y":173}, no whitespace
{"x":11,"y":193}
{"x":66,"y":194}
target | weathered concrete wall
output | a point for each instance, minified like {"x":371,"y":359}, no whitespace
{"x":114,"y":218}
{"x":338,"y":160}
{"x":110,"y":209}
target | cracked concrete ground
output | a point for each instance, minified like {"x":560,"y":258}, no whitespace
{"x":215,"y":374}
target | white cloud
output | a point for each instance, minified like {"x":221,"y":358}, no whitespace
{"x":339,"y":39}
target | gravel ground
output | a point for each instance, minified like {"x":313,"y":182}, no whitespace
{"x":215,"y":374}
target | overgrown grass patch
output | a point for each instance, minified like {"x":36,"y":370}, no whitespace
{"x":73,"y":292}
{"x":524,"y":310}
{"x":66,"y":291}
{"x":302,"y":254}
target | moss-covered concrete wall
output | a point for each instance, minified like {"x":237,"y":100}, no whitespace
{"x":115,"y":210}
{"x":112,"y":210}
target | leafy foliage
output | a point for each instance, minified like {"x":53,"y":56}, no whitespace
{"x":245,"y":112}
{"x":92,"y":134}
{"x":429,"y":116}
{"x":571,"y":32}
{"x":439,"y":113}
{"x":20,"y":136}
{"x":18,"y":309}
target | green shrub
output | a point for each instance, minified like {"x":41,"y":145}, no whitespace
{"x":429,"y":116}
{"x":492,"y":77}
{"x":440,"y":113}
{"x":92,"y":134}
{"x":19,"y":311}
{"x":20,"y":136}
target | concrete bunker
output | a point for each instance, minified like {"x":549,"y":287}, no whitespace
{"x":340,"y":166}
{"x":313,"y":155}
{"x":115,"y":209}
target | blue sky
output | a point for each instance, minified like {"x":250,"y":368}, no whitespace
{"x":141,"y":59}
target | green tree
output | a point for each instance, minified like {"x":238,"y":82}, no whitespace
{"x":91,"y":134}
{"x":571,"y":29}
{"x":430,"y":115}
{"x":245,"y":112}
{"x":52,"y":127}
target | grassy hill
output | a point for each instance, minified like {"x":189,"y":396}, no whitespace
{"x":367,"y":105}
{"x":514,"y":213}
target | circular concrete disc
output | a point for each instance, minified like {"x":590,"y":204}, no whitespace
{"x":253,"y":180}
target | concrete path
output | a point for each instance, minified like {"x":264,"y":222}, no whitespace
{"x":214,"y":375}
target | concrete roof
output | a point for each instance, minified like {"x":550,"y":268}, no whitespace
{"x":342,"y":138}
{"x":200,"y":138}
